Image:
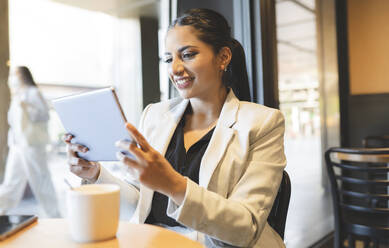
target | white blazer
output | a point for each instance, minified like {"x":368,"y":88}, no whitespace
{"x":240,"y":173}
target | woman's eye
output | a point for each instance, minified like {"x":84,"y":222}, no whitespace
{"x":167,"y":60}
{"x":188,"y":55}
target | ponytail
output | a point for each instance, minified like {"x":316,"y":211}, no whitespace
{"x":236,"y":75}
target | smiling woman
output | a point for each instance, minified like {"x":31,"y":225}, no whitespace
{"x":207,"y":163}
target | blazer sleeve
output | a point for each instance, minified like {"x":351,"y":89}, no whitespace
{"x":240,"y":218}
{"x":129,"y":187}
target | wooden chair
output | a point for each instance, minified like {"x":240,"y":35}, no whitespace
{"x":359,"y":185}
{"x":279,"y":211}
{"x":381,"y":141}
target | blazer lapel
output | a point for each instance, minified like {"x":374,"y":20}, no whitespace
{"x":220,"y":139}
{"x":160,"y":142}
{"x":167,"y":125}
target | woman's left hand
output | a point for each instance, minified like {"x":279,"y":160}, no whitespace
{"x":153,"y":169}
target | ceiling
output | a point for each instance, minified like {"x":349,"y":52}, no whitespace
{"x":296,"y":35}
{"x":119,"y":8}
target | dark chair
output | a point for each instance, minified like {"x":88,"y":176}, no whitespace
{"x":376,"y":141}
{"x":359,"y":185}
{"x":279,"y":211}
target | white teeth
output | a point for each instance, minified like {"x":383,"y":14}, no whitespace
{"x":182,"y":81}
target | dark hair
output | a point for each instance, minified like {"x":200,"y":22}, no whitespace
{"x":213,"y":29}
{"x":24,"y":75}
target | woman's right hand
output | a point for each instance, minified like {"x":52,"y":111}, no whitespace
{"x":78,"y":166}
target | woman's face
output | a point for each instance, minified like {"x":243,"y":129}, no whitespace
{"x":193,"y":67}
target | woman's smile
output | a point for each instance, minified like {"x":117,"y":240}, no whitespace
{"x":183,"y":82}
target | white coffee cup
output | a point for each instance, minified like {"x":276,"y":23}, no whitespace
{"x":93,"y":212}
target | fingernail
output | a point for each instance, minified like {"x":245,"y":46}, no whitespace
{"x":117,"y":143}
{"x":119,"y":155}
{"x":74,"y":160}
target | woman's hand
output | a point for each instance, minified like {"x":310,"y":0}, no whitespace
{"x":78,"y":166}
{"x":153,"y":169}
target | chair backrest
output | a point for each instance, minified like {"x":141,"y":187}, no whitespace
{"x":279,"y":211}
{"x":359,"y":184}
{"x":376,"y":141}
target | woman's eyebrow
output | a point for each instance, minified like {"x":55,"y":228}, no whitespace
{"x":185,"y":47}
{"x":181,"y":49}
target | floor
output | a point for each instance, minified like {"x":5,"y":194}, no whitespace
{"x":310,"y":211}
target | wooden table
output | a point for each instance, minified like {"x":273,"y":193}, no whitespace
{"x":54,"y":233}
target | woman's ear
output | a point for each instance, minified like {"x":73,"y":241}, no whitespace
{"x":224,"y":56}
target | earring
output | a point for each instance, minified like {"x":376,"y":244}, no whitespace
{"x":225,"y":69}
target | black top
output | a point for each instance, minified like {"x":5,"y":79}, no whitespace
{"x":185,"y":163}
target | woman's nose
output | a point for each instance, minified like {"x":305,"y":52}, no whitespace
{"x":177,"y":67}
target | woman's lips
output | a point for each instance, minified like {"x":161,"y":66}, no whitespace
{"x":184,"y":83}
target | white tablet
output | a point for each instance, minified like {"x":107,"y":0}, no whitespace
{"x":96,"y":120}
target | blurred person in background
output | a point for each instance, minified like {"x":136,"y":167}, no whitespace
{"x":27,"y":140}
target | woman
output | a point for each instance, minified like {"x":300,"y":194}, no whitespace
{"x":27,"y":140}
{"x":205,"y":163}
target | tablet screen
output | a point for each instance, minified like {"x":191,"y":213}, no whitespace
{"x":96,"y":121}
{"x":9,"y":224}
